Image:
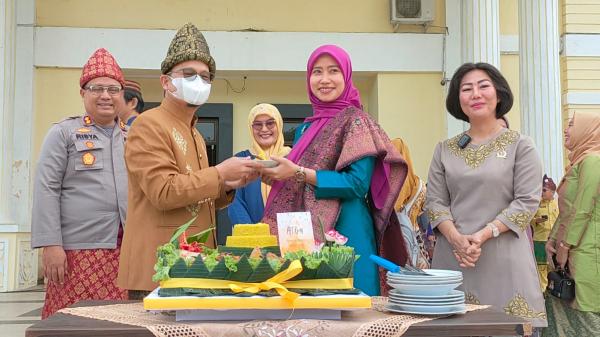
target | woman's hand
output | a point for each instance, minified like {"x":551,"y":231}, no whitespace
{"x":481,"y":236}
{"x":467,"y":249}
{"x":285,"y":170}
{"x":550,"y":251}
{"x":562,"y":255}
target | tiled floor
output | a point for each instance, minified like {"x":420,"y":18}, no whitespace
{"x":18,"y":310}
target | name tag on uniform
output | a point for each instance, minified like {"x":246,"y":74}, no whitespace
{"x":86,"y":137}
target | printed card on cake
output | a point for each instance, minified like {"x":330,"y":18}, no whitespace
{"x":295,"y":232}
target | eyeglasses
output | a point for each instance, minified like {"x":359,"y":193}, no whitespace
{"x":98,"y":90}
{"x":190,"y":74}
{"x":270,"y":124}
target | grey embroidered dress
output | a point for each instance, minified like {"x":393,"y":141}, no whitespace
{"x":500,"y":179}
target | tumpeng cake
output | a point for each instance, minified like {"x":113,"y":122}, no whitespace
{"x":251,"y":236}
{"x":193,"y":276}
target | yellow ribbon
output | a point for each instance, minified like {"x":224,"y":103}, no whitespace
{"x":278,"y":282}
{"x":274,"y":282}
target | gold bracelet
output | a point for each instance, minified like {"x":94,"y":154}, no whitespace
{"x":300,"y":175}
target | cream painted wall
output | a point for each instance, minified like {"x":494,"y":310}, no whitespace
{"x":581,"y":16}
{"x":580,"y":74}
{"x":509,"y":65}
{"x":570,"y":109}
{"x":56,"y":97}
{"x":227,"y":15}
{"x":411,"y":106}
{"x":509,"y":17}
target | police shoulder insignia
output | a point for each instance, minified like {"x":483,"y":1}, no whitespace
{"x":88,"y":159}
{"x":66,"y":119}
{"x":122,"y":125}
{"x":87,"y":120}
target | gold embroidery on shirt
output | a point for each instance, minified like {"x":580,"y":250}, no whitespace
{"x":475,"y":157}
{"x":188,"y":168}
{"x":471,"y":299}
{"x":180,"y":141}
{"x":434,"y":215}
{"x":518,"y":306}
{"x":520,"y":219}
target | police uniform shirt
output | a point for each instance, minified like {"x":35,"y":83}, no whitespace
{"x":80,"y":189}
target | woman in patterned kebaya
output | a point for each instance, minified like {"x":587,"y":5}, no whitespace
{"x":484,"y":187}
{"x":341,"y":161}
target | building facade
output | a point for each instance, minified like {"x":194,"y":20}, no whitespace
{"x":548,"y":51}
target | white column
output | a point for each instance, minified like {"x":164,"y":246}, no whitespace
{"x":481,"y":31}
{"x":7,"y":80}
{"x":22,"y":171}
{"x":539,"y":76}
{"x":18,"y":262}
{"x":474,"y":26}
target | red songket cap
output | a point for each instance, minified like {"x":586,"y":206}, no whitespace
{"x":101,"y":64}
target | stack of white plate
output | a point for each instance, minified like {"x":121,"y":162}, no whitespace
{"x":432,"y":294}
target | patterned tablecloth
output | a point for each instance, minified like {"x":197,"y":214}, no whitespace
{"x":374,"y":322}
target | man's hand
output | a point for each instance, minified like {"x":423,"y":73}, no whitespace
{"x":233,"y":185}
{"x":54,"y":261}
{"x":235,"y":168}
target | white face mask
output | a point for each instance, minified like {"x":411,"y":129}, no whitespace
{"x":194,"y":92}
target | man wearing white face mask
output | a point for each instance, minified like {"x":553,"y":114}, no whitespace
{"x":170,"y":181}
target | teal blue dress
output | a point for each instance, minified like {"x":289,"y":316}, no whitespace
{"x":351,"y":186}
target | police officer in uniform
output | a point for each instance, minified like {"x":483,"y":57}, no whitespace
{"x":80,"y":193}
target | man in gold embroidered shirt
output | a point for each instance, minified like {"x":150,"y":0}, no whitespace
{"x":170,"y":181}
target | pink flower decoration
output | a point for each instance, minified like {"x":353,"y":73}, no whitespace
{"x":335,"y":236}
{"x":319,"y":245}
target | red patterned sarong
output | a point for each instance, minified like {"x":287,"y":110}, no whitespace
{"x":92,"y":275}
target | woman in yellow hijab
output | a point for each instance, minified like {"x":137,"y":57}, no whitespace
{"x":265,"y":125}
{"x":409,"y":206}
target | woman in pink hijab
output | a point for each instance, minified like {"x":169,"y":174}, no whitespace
{"x":343,"y":169}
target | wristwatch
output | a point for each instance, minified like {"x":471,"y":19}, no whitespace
{"x":495,"y":230}
{"x":300,"y":175}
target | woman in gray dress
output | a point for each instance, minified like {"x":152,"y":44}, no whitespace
{"x":484,"y":186}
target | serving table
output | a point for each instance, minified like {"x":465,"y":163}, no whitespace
{"x":368,"y":322}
